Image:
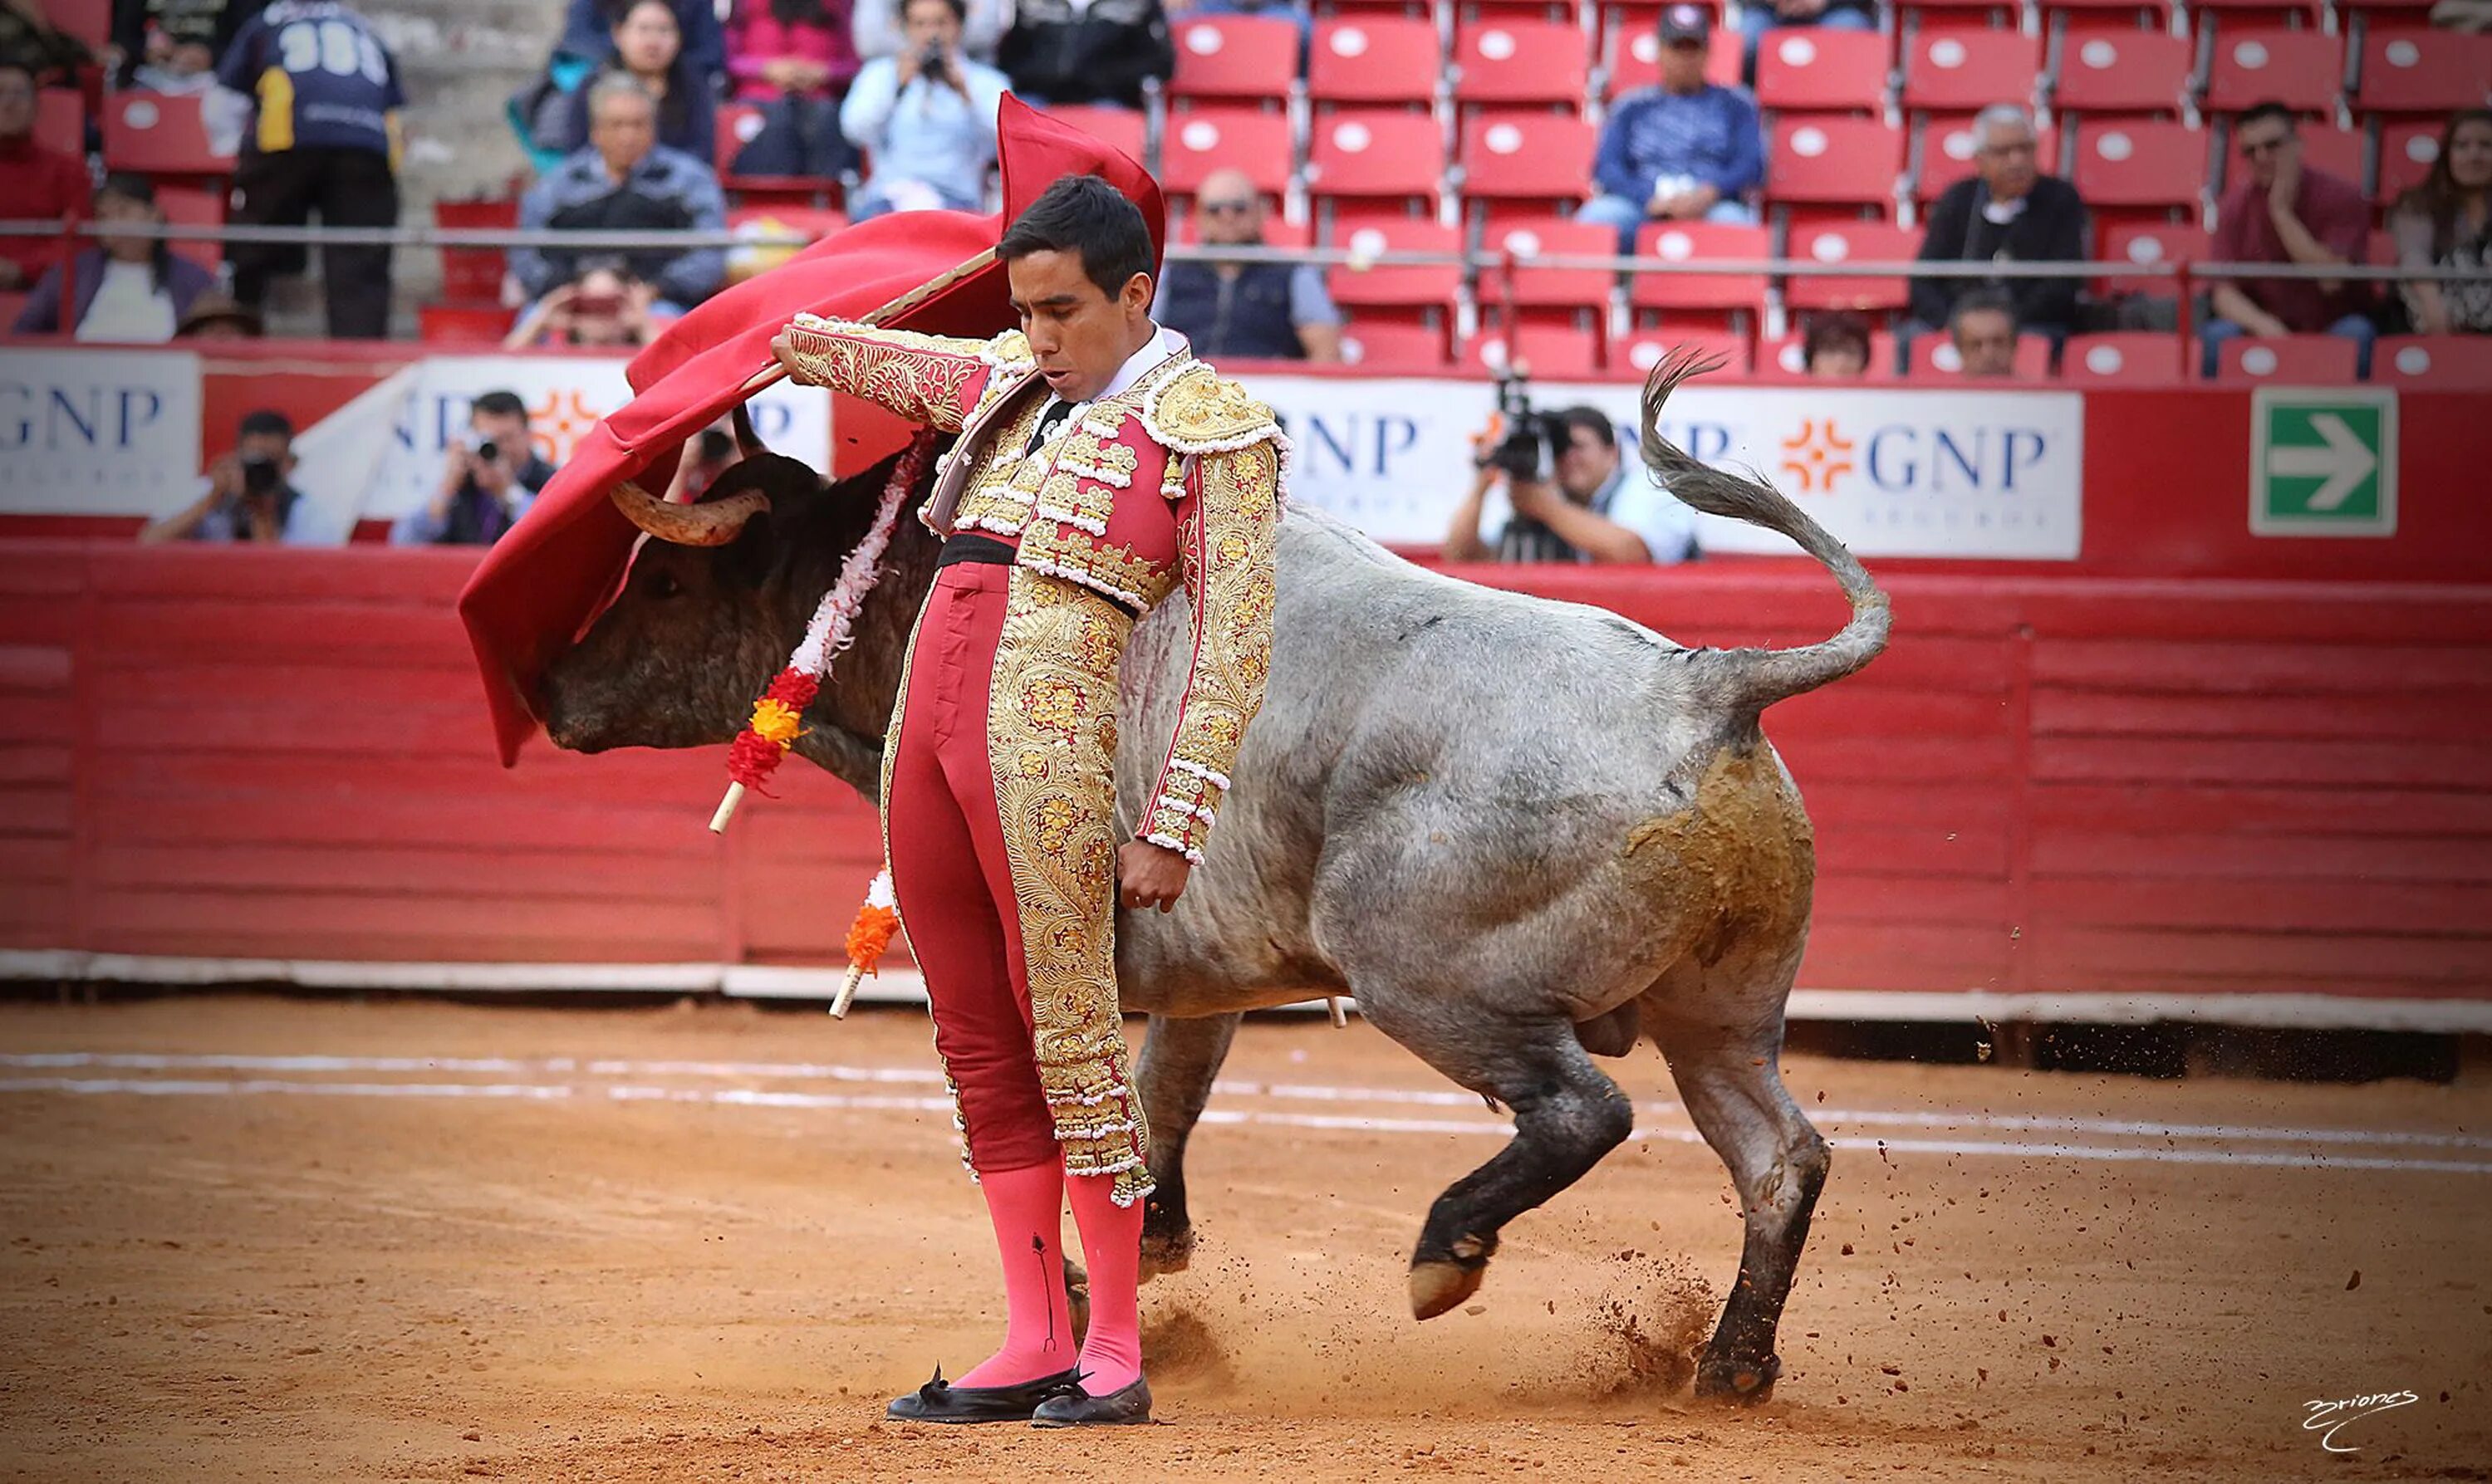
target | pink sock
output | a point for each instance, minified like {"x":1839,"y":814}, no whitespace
{"x":1111,"y":1240}
{"x":1028,"y":1206}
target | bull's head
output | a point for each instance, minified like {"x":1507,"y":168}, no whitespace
{"x":713,"y":603}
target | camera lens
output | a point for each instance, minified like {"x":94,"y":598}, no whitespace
{"x":489,"y":451}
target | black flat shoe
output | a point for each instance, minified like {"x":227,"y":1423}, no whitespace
{"x":940,"y":1401}
{"x":1078,"y":1408}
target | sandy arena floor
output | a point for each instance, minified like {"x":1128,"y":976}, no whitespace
{"x":251,"y":1238}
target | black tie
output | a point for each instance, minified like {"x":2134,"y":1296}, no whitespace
{"x":1057,"y":410}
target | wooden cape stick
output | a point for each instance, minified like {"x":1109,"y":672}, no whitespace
{"x":775,"y":372}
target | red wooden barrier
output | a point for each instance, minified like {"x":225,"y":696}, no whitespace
{"x":2058,"y":786}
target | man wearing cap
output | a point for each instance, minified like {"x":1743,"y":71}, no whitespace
{"x":1684,"y":151}
{"x":1098,"y":467}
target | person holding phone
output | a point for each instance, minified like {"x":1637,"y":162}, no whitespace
{"x":244,"y":494}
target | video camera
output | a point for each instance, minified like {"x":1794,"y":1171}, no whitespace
{"x":1528,"y":447}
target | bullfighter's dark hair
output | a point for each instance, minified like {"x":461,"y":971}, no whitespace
{"x":1083,"y":214}
{"x":2267,"y":109}
{"x":500,"y":404}
{"x":1593,"y":421}
{"x":267,"y":422}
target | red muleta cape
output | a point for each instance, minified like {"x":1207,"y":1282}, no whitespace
{"x":543,"y":582}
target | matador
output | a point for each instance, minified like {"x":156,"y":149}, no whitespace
{"x":1097,"y":469}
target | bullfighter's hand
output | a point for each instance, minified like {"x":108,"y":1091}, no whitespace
{"x":1150,"y":876}
{"x":785,"y":351}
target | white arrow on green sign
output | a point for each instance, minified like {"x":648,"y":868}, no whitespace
{"x":2323,"y":461}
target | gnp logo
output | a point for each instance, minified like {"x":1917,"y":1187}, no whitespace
{"x":1815,"y":454}
{"x":1914,"y":457}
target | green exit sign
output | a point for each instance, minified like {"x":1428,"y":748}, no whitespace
{"x":2323,"y":461}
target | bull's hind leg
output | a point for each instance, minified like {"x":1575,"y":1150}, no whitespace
{"x":1730,"y":1081}
{"x":1179,"y":1059}
{"x":1567,"y":1113}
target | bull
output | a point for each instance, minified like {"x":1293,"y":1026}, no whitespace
{"x":1511,"y":878}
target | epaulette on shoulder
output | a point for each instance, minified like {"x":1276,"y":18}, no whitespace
{"x":1196,"y":411}
{"x":1009,"y":351}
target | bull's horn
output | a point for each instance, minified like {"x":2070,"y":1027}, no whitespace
{"x":747,"y":441}
{"x":711,"y":524}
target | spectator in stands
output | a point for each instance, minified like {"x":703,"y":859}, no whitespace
{"x":2287,"y":213}
{"x":1758,"y":16}
{"x":325,"y":98}
{"x":605,"y":306}
{"x":1086,"y":51}
{"x":246,"y":495}
{"x":214,"y":315}
{"x":1685,"y":151}
{"x":491,"y":478}
{"x":1982,"y":326}
{"x":649,"y":49}
{"x":1836,"y":346}
{"x":1271,"y":310}
{"x":36,"y":183}
{"x":926,"y":116}
{"x":2446,"y":222}
{"x":626,"y":181}
{"x":1593,"y":510}
{"x":29,"y":39}
{"x":794,"y":59}
{"x":2007,"y":211}
{"x":880,"y":31}
{"x":128,"y":289}
{"x":588,"y":35}
{"x":172,"y":37}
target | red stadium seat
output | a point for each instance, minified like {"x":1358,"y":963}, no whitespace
{"x":1635,"y":61}
{"x":2074,"y":19}
{"x":461,"y":324}
{"x":1696,"y":242}
{"x":1397,"y":349}
{"x":194,"y":205}
{"x":1586,"y":288}
{"x":1195,"y":144}
{"x":1536,"y":158}
{"x":158,"y":134}
{"x":1834,"y":160}
{"x":2324,"y":358}
{"x":2302,"y":70}
{"x":1947,"y":147}
{"x":2213,"y":15}
{"x":2407,"y":152}
{"x":2146,"y":243}
{"x":1933,"y":357}
{"x":2140,"y":162}
{"x":1121,"y":129}
{"x":1508,"y":62}
{"x":1832,"y":71}
{"x":1372,"y":153}
{"x":2407,"y":71}
{"x":2123,"y":358}
{"x":1871,"y":242}
{"x":1784,"y":358}
{"x":1356,"y":287}
{"x":473,"y":274}
{"x":1634,"y":355}
{"x":2422,"y":360}
{"x":1972,"y":70}
{"x":89,"y":22}
{"x":1550,"y":352}
{"x":1374,"y":59}
{"x":2141,"y":72}
{"x":1234,"y":57}
{"x":60,"y":121}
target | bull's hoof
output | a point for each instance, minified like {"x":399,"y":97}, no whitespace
{"x":1439,"y":1286}
{"x":1739,"y":1382}
{"x":1169,"y":1252}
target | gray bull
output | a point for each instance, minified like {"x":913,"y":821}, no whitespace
{"x":1520,"y":832}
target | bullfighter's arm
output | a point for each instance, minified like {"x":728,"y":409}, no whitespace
{"x":930,"y":379}
{"x":1227,"y":489}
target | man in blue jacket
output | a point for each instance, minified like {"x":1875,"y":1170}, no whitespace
{"x":1685,"y":151}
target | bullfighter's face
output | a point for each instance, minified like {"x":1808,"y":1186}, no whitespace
{"x":1079,"y":334}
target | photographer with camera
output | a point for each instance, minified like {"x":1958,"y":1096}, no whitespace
{"x":488,"y":480}
{"x":247,"y":497}
{"x":1567,"y":493}
{"x":925,"y":117}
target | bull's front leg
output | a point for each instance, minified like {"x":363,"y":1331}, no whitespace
{"x":1179,"y":1059}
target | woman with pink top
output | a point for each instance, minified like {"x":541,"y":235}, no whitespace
{"x":795,"y":58}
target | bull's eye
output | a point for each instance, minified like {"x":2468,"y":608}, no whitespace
{"x":664,"y":585}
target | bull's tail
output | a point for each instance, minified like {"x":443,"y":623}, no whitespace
{"x":1753,"y":679}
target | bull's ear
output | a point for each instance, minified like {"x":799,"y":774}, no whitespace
{"x":749,"y":560}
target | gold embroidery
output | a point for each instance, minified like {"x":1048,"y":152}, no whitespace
{"x":995,"y":499}
{"x":1197,"y":412}
{"x":1051,"y":710}
{"x":921,"y":377}
{"x":1095,"y":564}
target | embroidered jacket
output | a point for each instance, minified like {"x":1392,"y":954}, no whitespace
{"x":1176,"y":480}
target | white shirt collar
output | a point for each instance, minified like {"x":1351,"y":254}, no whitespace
{"x":1163,"y":343}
